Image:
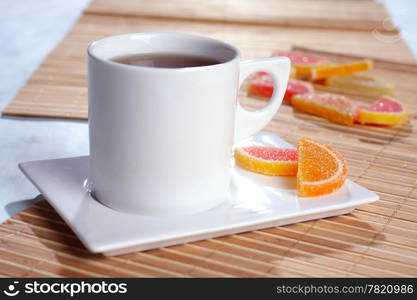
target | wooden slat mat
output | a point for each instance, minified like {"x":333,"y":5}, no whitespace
{"x":378,"y":239}
{"x":58,"y":87}
{"x":357,"y":15}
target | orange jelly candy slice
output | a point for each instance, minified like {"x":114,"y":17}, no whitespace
{"x":321,"y":169}
{"x":341,"y":70}
{"x":267,"y":160}
{"x":335,"y":108}
{"x":385,"y":111}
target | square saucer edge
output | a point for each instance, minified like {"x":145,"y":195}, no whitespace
{"x":40,"y":173}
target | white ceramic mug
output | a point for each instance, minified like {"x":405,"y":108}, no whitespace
{"x":161,"y":139}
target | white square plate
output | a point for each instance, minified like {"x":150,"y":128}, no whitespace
{"x":257,"y":202}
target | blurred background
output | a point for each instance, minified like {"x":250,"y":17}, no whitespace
{"x":30,"y":29}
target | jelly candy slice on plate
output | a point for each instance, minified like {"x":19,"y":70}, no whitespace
{"x":385,"y":111}
{"x":267,"y":160}
{"x":335,"y":108}
{"x":321,"y":169}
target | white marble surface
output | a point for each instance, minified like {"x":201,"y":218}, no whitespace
{"x":29,"y":30}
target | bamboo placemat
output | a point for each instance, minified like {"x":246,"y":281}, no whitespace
{"x":58,"y":87}
{"x":379,"y":239}
{"x":346,"y":14}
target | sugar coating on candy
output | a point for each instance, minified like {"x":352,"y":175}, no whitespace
{"x":321,"y":169}
{"x":303,"y":64}
{"x":297,"y":87}
{"x":301,"y":59}
{"x":385,"y":111}
{"x":362,"y":84}
{"x":341,"y":70}
{"x":339,"y":102}
{"x":263,"y":85}
{"x":366,"y":81}
{"x":271,"y":153}
{"x":267,"y":160}
{"x":385,"y":105}
{"x":334,"y":107}
{"x":319,"y":164}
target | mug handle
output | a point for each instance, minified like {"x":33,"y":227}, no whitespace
{"x":250,"y":122}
